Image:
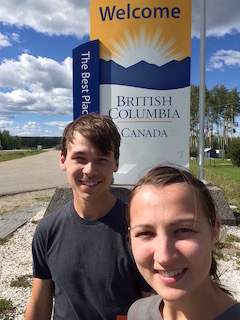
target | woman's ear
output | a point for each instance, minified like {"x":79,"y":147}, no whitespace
{"x":62,"y":160}
{"x":216,"y":230}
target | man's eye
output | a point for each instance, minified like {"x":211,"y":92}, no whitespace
{"x":80,"y":159}
{"x":102,"y":160}
{"x":184,"y":230}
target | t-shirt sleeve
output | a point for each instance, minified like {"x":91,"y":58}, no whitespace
{"x":39,"y":252}
{"x":133,"y":312}
{"x":145,"y":309}
{"x":138,"y":310}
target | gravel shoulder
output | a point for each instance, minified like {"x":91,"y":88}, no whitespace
{"x":22,"y":200}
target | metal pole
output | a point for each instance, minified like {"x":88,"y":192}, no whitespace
{"x":202,"y":89}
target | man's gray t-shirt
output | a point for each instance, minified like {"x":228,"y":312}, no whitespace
{"x":93,"y":271}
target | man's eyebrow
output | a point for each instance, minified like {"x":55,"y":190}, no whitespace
{"x":78,"y":153}
{"x":104,"y":154}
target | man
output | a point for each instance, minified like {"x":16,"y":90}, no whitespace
{"x":80,"y":256}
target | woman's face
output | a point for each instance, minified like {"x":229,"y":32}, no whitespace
{"x":171,"y":240}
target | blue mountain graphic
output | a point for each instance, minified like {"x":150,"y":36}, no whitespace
{"x":172,"y":75}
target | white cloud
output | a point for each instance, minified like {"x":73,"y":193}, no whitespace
{"x":59,"y":124}
{"x":4,"y":124}
{"x":33,"y":84}
{"x":4,"y":41}
{"x":31,"y":128}
{"x":15,"y":37}
{"x":24,"y":72}
{"x":224,"y":58}
{"x":222,"y":17}
{"x":65,"y":17}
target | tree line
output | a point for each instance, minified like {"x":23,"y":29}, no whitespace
{"x":8,"y":142}
{"x":221,"y":109}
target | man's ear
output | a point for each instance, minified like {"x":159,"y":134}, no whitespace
{"x":117,"y":165}
{"x":62,"y":160}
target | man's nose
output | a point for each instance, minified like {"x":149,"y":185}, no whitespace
{"x":88,"y":168}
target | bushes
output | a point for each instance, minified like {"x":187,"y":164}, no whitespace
{"x":234,"y":151}
{"x":193,"y":152}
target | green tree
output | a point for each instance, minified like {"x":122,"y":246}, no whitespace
{"x":221,"y":109}
{"x":194,"y":116}
{"x":218,"y":100}
{"x":234,"y":151}
{"x":9,"y":142}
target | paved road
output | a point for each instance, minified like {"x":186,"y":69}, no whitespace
{"x":32,"y":173}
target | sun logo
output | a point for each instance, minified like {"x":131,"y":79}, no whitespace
{"x":142,"y":43}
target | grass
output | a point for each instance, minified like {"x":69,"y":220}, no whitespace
{"x":22,"y":281}
{"x":232,"y":238}
{"x":11,"y":155}
{"x":226,"y":248}
{"x":222,"y":174}
{"x":44,"y":199}
{"x":5,"y":211}
{"x":6,"y":239}
{"x":5,"y":307}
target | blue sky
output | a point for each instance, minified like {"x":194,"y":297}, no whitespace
{"x":36,"y":43}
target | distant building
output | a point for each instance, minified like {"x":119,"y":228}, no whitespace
{"x":210,"y":153}
{"x":220,"y":153}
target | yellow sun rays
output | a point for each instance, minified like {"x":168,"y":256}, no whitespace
{"x":132,"y":46}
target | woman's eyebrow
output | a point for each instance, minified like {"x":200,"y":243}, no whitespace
{"x":141,"y":225}
{"x":185,"y":221}
{"x":177,"y":222}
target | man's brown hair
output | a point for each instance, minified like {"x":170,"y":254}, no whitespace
{"x":98,"y":129}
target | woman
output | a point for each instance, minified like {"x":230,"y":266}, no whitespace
{"x":173,"y":227}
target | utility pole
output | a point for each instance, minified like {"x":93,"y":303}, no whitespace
{"x":202,"y":89}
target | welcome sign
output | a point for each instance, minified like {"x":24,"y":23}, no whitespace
{"x":136,"y":68}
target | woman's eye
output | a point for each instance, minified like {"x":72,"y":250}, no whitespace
{"x":145,"y":234}
{"x":184,"y":232}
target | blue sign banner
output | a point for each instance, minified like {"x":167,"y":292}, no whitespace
{"x":86,"y":79}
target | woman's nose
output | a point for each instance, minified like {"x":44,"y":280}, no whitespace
{"x":165,"y":251}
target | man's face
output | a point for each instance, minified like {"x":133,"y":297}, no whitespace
{"x":89,"y":172}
